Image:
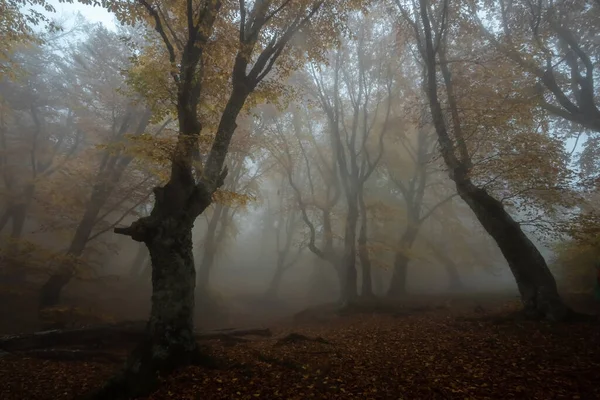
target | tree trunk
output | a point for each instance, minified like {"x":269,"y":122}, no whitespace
{"x":16,"y":211}
{"x":363,"y":251}
{"x":536,"y":283}
{"x":169,"y":341}
{"x":349,"y":284}
{"x":51,"y":290}
{"x":454,"y":281}
{"x":209,"y":251}
{"x":139,"y":262}
{"x":378,"y":289}
{"x":208,"y":258}
{"x":273,"y":289}
{"x":397,"y":287}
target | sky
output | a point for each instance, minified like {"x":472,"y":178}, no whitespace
{"x":92,"y":14}
{"x":101,"y":15}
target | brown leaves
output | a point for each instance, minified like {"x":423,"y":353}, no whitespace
{"x":419,"y":356}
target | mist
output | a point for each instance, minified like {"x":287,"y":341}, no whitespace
{"x":258,"y":175}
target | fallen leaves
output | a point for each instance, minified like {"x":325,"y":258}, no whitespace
{"x":426,"y":356}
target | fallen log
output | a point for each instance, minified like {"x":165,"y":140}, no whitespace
{"x":75,"y":355}
{"x":98,"y":336}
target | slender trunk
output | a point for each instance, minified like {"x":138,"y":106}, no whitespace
{"x":51,"y":290}
{"x":377,"y":282}
{"x":213,"y":239}
{"x":397,"y":287}
{"x":454,"y":281}
{"x":139,"y":262}
{"x":209,"y":250}
{"x":19,"y":216}
{"x":273,"y":289}
{"x":399,"y":277}
{"x":109,"y":175}
{"x":208,"y":259}
{"x":5,"y":217}
{"x":16,"y":212}
{"x":536,"y":283}
{"x":349,"y":284}
{"x":363,"y":252}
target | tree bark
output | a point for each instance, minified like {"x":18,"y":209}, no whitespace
{"x":536,"y":283}
{"x":349,"y":284}
{"x":209,"y":250}
{"x":454,"y":281}
{"x":139,"y":262}
{"x":51,"y":290}
{"x":363,"y":251}
{"x":16,"y":211}
{"x":397,"y":287}
{"x":273,"y":289}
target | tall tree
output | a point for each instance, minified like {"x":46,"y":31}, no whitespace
{"x":356,"y":95}
{"x":311,"y":173}
{"x":254,"y":35}
{"x":556,"y":43}
{"x":431,"y":25}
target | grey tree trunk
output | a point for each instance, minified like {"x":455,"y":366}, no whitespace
{"x":111,"y":170}
{"x":454,"y":281}
{"x":363,"y":251}
{"x":51,"y":290}
{"x":349,"y":291}
{"x":273,"y":289}
{"x":139,"y":262}
{"x":397,"y":287}
{"x":209,"y":250}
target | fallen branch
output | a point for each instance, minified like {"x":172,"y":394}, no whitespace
{"x":101,"y":335}
{"x":74,"y":355}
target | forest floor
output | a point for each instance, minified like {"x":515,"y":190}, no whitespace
{"x":473,"y":351}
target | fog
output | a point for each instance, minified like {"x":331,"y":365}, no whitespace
{"x":345,"y":172}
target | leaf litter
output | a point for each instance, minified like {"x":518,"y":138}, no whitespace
{"x":432,"y":355}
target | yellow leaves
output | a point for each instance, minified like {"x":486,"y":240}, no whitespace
{"x":231,"y":199}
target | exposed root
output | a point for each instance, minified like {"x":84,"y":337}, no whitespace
{"x":142,"y":370}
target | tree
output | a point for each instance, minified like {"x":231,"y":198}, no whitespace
{"x":238,"y":189}
{"x":190,"y":32}
{"x":117,"y":119}
{"x":38,"y":133}
{"x":555,"y":42}
{"x":431,"y":28}
{"x":356,"y":95}
{"x":284,"y":231}
{"x":16,"y":28}
{"x":316,"y":194}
